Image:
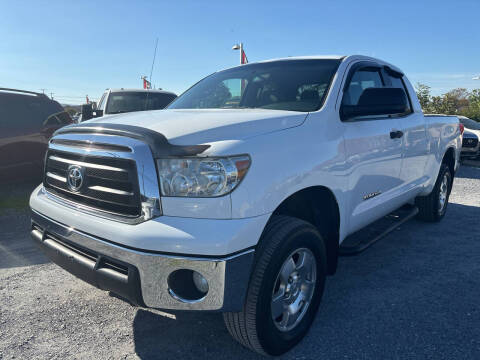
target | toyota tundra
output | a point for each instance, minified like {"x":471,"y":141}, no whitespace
{"x":237,"y":198}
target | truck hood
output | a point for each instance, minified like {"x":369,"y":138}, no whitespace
{"x":189,"y":127}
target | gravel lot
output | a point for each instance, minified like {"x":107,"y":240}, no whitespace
{"x":415,"y":294}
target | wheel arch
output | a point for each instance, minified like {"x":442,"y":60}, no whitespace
{"x":318,"y":206}
{"x":449,"y":159}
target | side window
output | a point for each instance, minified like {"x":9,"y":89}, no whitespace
{"x":397,"y":82}
{"x":362,"y":79}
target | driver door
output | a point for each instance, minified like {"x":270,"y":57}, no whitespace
{"x":373,"y":151}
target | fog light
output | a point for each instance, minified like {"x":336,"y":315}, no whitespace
{"x":187,"y":286}
{"x":200,"y":282}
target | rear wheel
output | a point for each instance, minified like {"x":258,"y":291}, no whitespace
{"x":285,"y":288}
{"x":434,"y":206}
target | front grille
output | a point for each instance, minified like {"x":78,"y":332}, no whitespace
{"x":469,"y":142}
{"x":109,"y":184}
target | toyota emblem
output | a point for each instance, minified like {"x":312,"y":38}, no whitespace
{"x":75,"y":177}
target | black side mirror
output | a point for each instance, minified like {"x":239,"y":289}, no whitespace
{"x":87,"y":112}
{"x":97,"y":113}
{"x":377,"y":101}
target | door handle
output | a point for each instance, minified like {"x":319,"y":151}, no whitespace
{"x":396,"y":134}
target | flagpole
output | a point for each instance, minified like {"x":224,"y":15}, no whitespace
{"x":241,"y":53}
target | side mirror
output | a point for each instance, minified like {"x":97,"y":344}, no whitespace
{"x":87,"y":112}
{"x":377,"y":101}
{"x":97,"y":113}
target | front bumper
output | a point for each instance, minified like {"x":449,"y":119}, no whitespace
{"x":142,"y":276}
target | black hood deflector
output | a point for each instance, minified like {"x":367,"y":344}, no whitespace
{"x":158,"y":142}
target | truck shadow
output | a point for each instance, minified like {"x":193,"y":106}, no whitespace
{"x":184,"y":335}
{"x":367,"y":305}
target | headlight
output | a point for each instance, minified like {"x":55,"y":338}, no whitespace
{"x":201,"y":177}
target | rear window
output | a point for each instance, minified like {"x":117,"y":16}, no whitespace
{"x":129,"y":101}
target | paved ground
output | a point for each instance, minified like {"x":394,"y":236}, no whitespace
{"x":415,"y":294}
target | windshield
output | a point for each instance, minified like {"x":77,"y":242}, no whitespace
{"x":127,"y":101}
{"x":470,"y":124}
{"x":295,"y":85}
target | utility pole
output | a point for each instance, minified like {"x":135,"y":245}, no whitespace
{"x":241,"y":53}
{"x":51,"y":95}
{"x":43,"y":91}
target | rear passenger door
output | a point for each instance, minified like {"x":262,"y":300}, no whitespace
{"x":413,"y":126}
{"x":373,"y":157}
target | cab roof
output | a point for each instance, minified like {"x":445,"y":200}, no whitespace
{"x":141,"y":90}
{"x":343,"y":58}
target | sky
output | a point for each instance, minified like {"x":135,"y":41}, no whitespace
{"x":79,"y":48}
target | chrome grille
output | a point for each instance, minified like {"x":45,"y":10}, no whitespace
{"x":109,"y":184}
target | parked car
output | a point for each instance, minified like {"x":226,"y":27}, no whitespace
{"x":470,"y":145}
{"x":116,"y":101}
{"x":238,"y":197}
{"x":471,"y":136}
{"x":27,"y":121}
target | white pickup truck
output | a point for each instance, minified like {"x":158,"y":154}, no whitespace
{"x":237,"y":198}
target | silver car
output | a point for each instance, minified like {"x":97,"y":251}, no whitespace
{"x":471,"y":136}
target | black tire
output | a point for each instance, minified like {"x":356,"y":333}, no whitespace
{"x":254,"y":327}
{"x":429,"y":206}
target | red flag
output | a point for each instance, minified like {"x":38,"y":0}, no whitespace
{"x":88,"y":101}
{"x":244,"y":58}
{"x":146,"y":83}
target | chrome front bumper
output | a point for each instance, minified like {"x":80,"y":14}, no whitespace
{"x":141,"y":276}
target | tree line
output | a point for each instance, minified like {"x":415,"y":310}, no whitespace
{"x":458,"y":101}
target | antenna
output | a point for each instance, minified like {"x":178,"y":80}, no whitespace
{"x":151,"y":70}
{"x":154,"y":56}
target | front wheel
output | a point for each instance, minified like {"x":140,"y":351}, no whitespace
{"x":433,"y":207}
{"x":285,"y":288}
